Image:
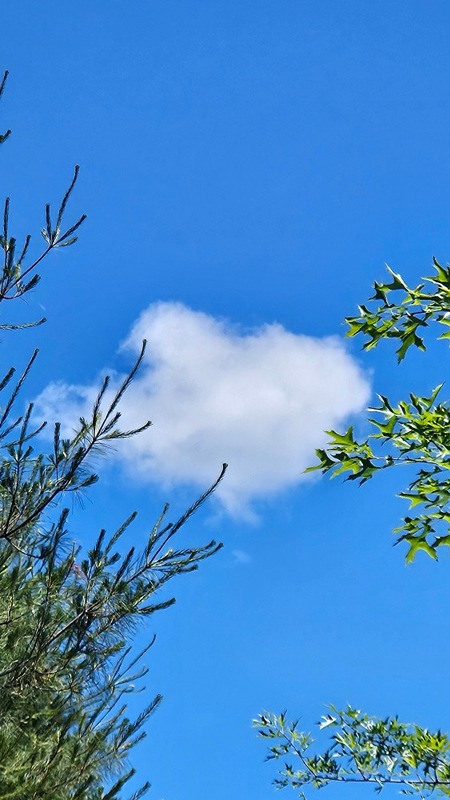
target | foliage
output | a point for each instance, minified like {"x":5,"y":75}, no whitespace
{"x":413,"y":433}
{"x":67,"y":617}
{"x":361,"y":749}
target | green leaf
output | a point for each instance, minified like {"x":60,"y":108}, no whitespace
{"x":341,"y":438}
{"x":398,"y":282}
{"x":419,"y":544}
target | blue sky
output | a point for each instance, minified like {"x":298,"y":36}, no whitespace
{"x":248,"y":166}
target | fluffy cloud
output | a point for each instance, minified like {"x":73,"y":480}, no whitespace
{"x":259,"y":400}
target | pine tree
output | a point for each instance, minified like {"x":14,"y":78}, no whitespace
{"x":67,"y":617}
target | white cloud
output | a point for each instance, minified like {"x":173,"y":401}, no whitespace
{"x":259,"y":400}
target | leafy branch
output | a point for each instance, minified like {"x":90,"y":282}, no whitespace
{"x":405,"y":318}
{"x":360,"y":749}
{"x":413,"y":432}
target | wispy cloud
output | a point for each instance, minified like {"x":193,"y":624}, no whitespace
{"x":240,"y":557}
{"x":259,"y":400}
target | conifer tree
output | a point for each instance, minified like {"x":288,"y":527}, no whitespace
{"x":67,"y":616}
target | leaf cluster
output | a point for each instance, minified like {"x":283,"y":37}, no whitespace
{"x":360,"y":749}
{"x":413,"y":432}
{"x":399,"y":312}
